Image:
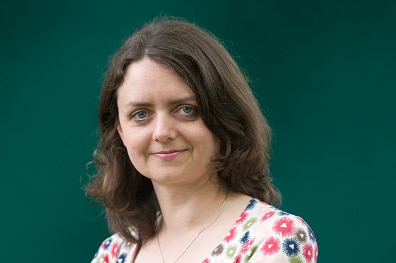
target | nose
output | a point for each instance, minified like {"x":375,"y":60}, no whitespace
{"x":164,"y":129}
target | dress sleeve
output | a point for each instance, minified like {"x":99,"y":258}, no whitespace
{"x":109,"y":251}
{"x":289,"y":239}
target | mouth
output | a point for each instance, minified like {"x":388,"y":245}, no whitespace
{"x":168,"y":155}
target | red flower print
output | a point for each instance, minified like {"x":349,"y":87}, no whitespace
{"x":267,"y":215}
{"x":284,"y":226}
{"x":114,"y":250}
{"x":246,"y":246}
{"x":271,"y":246}
{"x":308,"y":252}
{"x":237,"y":259}
{"x":242,"y":217}
{"x":106,"y":258}
{"x":231,"y":235}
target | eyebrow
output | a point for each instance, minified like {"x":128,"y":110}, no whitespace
{"x":170,"y":103}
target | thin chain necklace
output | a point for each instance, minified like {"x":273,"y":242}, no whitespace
{"x":195,"y":237}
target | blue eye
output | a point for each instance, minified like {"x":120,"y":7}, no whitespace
{"x":140,"y":116}
{"x":186,"y":113}
{"x":187,"y":110}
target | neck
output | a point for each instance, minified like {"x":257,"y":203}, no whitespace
{"x":186,"y":210}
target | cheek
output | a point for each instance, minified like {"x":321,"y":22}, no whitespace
{"x":212,"y":146}
{"x":137,"y":156}
{"x":135,"y":147}
{"x":135,"y":139}
{"x":138,"y":144}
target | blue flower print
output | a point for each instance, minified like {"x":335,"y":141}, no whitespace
{"x":290,"y":247}
{"x":251,"y":204}
{"x":121,"y":258}
{"x":282,"y":213}
{"x":246,"y":237}
{"x":311,"y":234}
{"x":107,"y":243}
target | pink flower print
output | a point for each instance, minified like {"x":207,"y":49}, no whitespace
{"x":284,"y":226}
{"x":106,"y":258}
{"x":268,"y":215}
{"x":206,"y":260}
{"x":114,"y":250}
{"x":231,"y":235}
{"x":237,"y":259}
{"x":271,"y":246}
{"x":246,"y":246}
{"x":308,"y":252}
{"x":316,"y":254}
{"x":242,"y":218}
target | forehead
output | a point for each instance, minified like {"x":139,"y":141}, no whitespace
{"x":149,"y":80}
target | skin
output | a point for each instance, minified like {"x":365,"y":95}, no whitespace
{"x":160,"y":126}
{"x":168,"y":142}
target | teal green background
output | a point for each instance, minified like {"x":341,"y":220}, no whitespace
{"x":324,"y":73}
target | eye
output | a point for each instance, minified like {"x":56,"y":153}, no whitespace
{"x":186,"y":113}
{"x":187,"y":110}
{"x":139,"y":116}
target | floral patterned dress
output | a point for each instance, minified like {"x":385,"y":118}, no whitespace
{"x":262,"y":233}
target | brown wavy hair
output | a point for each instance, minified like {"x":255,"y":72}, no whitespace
{"x":227,"y":107}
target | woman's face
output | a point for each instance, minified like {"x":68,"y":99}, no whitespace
{"x":160,"y":126}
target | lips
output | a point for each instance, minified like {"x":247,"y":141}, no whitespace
{"x":168,"y":155}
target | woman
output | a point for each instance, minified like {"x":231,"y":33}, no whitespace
{"x":183,"y":157}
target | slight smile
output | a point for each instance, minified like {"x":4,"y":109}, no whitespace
{"x":168,"y":155}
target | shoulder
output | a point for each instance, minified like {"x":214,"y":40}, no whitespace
{"x":264,"y":233}
{"x":114,"y":249}
{"x":281,"y":235}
